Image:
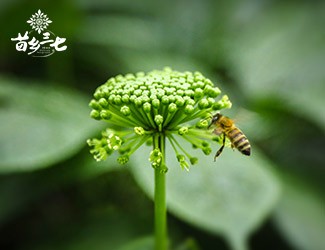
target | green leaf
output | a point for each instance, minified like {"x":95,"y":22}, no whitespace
{"x":40,"y":125}
{"x":281,"y":53}
{"x":121,"y":31}
{"x":300,"y":214}
{"x":230,"y":197}
{"x":18,"y":192}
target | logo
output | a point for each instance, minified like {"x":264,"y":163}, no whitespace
{"x":39,"y":42}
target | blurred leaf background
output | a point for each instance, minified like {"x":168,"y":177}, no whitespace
{"x":268,"y":56}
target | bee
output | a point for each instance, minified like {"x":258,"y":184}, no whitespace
{"x":226,"y":127}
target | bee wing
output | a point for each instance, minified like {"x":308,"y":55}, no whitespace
{"x":218,"y":131}
{"x":243,"y":115}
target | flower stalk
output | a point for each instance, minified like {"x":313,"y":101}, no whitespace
{"x":160,"y":196}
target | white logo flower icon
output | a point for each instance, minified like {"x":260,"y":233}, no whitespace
{"x":39,"y":21}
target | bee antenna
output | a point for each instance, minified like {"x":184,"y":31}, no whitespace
{"x":211,"y":117}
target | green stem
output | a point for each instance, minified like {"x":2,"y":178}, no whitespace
{"x":160,"y":197}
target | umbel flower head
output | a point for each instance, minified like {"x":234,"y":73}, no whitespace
{"x":174,"y":105}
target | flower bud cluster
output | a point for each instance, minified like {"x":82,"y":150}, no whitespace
{"x":157,"y":102}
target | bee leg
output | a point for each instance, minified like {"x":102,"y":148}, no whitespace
{"x":232,"y":146}
{"x":220,"y":149}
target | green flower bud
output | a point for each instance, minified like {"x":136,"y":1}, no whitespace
{"x":125,"y":110}
{"x":137,"y":92}
{"x":95,"y":114}
{"x":140,"y":74}
{"x":132,"y":98}
{"x":182,"y":162}
{"x":155,"y":103}
{"x":94,"y":104}
{"x":147,"y":107}
{"x":183,"y":131}
{"x":180,"y":157}
{"x":204,"y":104}
{"x":202,"y":124}
{"x":99,"y":154}
{"x":189,"y":109}
{"x":163,"y":169}
{"x":159,"y":119}
{"x":164,"y":100}
{"x":117,"y":100}
{"x":104,"y":114}
{"x":222,"y":104}
{"x":103,"y":102}
{"x":170,"y":91}
{"x":207,"y":150}
{"x":194,"y":160}
{"x":190,"y":102}
{"x":99,"y":149}
{"x":211,"y":101}
{"x":198,"y":77}
{"x":198,"y":93}
{"x":214,"y":92}
{"x":171,"y":98}
{"x":160,"y":93}
{"x":123,"y":159}
{"x":98,"y":94}
{"x":172,"y":108}
{"x":139,"y":130}
{"x":180,"y":92}
{"x":145,"y":99}
{"x":155,"y":158}
{"x":111,"y":98}
{"x":179,"y":101}
{"x":114,"y":142}
{"x":138,"y":102}
{"x":207,"y":81}
{"x":189,"y":93}
{"x":125,"y":98}
{"x":129,"y":77}
{"x":119,"y":78}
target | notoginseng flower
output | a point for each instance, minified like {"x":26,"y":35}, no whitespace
{"x":141,"y":107}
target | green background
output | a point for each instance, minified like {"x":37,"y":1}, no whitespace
{"x":267,"y":56}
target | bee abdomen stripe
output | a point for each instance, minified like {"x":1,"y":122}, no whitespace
{"x":234,"y":134}
{"x":246,"y":151}
{"x":244,"y":146}
{"x":240,"y":140}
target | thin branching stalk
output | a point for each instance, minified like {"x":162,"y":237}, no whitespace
{"x":160,"y":197}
